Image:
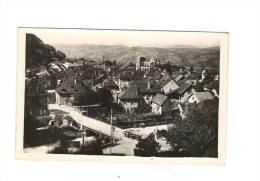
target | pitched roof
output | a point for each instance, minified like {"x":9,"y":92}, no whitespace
{"x":69,"y":86}
{"x":99,"y":79}
{"x":130,"y":93}
{"x":179,"y":77}
{"x":159,"y":99}
{"x":183,"y":88}
{"x":143,"y":86}
{"x":165,"y":77}
{"x":176,"y":73}
{"x":203,"y":95}
{"x":130,"y":75}
{"x":191,"y":75}
{"x":213,"y":85}
{"x":186,"y":96}
{"x":167,"y":81}
{"x":109,"y":84}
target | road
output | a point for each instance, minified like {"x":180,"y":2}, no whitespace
{"x":91,"y":123}
{"x":125,"y":145}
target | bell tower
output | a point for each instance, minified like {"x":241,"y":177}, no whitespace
{"x":137,"y":64}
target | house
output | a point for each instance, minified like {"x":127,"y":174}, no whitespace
{"x":184,"y":109}
{"x":147,"y":89}
{"x":164,"y":71}
{"x":98,"y":82}
{"x":202,"y":106}
{"x":72,"y":92}
{"x":111,"y":85}
{"x":185,"y":87}
{"x":36,"y":98}
{"x":163,"y":78}
{"x":160,"y":104}
{"x":128,"y":77}
{"x":197,"y":97}
{"x":76,"y":63}
{"x":129,"y":99}
{"x":204,"y":74}
{"x":169,"y":85}
{"x":175,"y":74}
{"x":213,"y":87}
{"x":191,"y":78}
{"x":152,"y":73}
{"x":179,"y":93}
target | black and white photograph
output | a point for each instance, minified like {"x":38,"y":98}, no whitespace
{"x":116,"y":93}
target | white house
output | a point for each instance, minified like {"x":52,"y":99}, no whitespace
{"x":129,"y":99}
{"x":160,"y":104}
{"x":197,"y":97}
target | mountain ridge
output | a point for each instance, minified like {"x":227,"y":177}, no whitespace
{"x":180,"y":54}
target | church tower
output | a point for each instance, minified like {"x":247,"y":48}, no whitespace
{"x":137,"y":64}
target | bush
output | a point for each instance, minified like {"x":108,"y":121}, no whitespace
{"x":147,"y":147}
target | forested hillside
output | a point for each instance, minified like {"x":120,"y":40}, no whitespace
{"x":125,"y":54}
{"x":38,"y":53}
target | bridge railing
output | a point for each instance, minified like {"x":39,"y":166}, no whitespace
{"x":93,"y":124}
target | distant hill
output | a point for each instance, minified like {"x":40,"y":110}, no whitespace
{"x":176,"y":54}
{"x":38,"y":53}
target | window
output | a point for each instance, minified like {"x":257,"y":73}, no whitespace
{"x":44,"y":112}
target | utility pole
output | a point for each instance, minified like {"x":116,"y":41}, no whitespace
{"x":112,"y":135}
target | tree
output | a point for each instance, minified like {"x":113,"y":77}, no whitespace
{"x":199,"y":87}
{"x":197,"y":134}
{"x":39,"y":53}
{"x":148,"y":146}
{"x":114,"y":63}
{"x":105,"y":96}
{"x":85,"y":97}
{"x":191,"y":69}
{"x":131,"y":64}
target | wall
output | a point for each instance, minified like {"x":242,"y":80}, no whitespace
{"x":130,"y":106}
{"x":156,"y":108}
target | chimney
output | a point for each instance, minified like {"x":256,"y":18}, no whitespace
{"x":148,"y":85}
{"x":92,"y":83}
{"x":195,"y":104}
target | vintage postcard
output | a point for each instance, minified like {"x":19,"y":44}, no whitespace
{"x":129,"y":96}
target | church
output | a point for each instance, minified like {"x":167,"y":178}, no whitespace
{"x":145,"y":63}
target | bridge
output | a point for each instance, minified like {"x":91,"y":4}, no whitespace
{"x":92,"y":124}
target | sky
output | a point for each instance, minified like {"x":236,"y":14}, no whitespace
{"x":127,"y":38}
